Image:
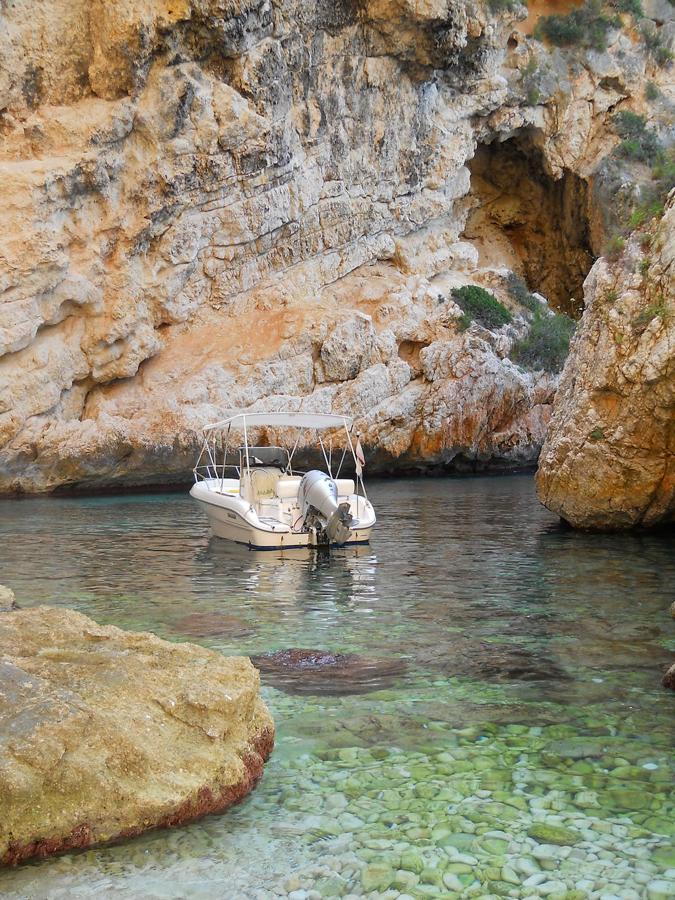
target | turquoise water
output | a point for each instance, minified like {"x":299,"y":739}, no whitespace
{"x":524,"y":749}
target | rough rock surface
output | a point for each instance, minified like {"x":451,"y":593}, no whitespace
{"x":107,"y":733}
{"x":609,"y":458}
{"x":204,"y":201}
{"x":7,"y":599}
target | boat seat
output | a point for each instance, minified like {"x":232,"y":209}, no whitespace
{"x":259,"y":483}
{"x":345,"y":486}
{"x":287,"y":487}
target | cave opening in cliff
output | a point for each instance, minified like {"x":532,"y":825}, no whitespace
{"x":526,"y":219}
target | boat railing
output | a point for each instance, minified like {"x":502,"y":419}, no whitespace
{"x":216,"y":472}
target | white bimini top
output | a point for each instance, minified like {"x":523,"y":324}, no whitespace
{"x":319,"y":421}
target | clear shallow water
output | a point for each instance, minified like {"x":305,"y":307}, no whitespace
{"x":531,"y":697}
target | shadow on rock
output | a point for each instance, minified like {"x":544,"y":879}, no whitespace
{"x":298,"y":671}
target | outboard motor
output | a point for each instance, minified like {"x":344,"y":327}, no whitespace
{"x":317,"y":498}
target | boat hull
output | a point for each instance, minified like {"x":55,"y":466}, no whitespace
{"x":233,"y":519}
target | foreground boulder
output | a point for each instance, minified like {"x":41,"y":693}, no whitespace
{"x":105,"y":733}
{"x":608,"y":461}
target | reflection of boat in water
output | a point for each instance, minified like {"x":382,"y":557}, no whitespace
{"x":260,"y":501}
{"x":280,"y":556}
{"x":292,"y":576}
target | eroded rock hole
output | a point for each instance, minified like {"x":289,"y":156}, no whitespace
{"x":524,"y":218}
{"x":409,"y":351}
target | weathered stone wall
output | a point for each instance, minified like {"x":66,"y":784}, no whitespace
{"x":200,"y":194}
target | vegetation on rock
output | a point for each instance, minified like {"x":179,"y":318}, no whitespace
{"x":633,"y":7}
{"x":547,"y":343}
{"x":639,"y":142}
{"x":654,"y":43}
{"x":587,"y":27}
{"x":497,"y":6}
{"x":530,"y":79}
{"x":647,"y":315}
{"x":651,"y":91}
{"x":518,"y":289}
{"x":615,"y":247}
{"x":481,"y":306}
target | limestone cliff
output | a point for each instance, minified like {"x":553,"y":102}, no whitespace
{"x":107,"y":733}
{"x":609,"y":457}
{"x":213,"y":204}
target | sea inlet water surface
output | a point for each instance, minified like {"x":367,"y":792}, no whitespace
{"x":520,"y":744}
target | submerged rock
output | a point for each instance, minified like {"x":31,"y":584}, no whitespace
{"x":498,"y":662}
{"x":579,"y":748}
{"x":553,"y":834}
{"x":299,"y":671}
{"x":106,"y":733}
{"x":213,"y":624}
{"x":608,"y":654}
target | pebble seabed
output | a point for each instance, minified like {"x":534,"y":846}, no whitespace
{"x":488,"y":810}
{"x":499,"y":811}
{"x":453,"y":824}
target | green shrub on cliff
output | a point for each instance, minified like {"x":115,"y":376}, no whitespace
{"x":586,"y":27}
{"x":634,"y":7}
{"x":530,"y":77}
{"x":639,"y":141}
{"x":651,"y":91}
{"x":663,"y":174}
{"x":497,"y":6}
{"x":546,"y":345}
{"x":650,"y":199}
{"x":643,"y":319}
{"x":518,"y":289}
{"x":614,"y":247}
{"x":480,"y":306}
{"x":663,"y":56}
{"x":655,"y":45}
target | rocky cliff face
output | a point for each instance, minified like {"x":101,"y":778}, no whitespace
{"x":107,"y":733}
{"x":212,"y":205}
{"x":609,"y":458}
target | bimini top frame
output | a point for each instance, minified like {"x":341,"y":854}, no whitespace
{"x":319,"y":421}
{"x":217,"y":441}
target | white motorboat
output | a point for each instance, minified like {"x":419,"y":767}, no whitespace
{"x":254,"y":496}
